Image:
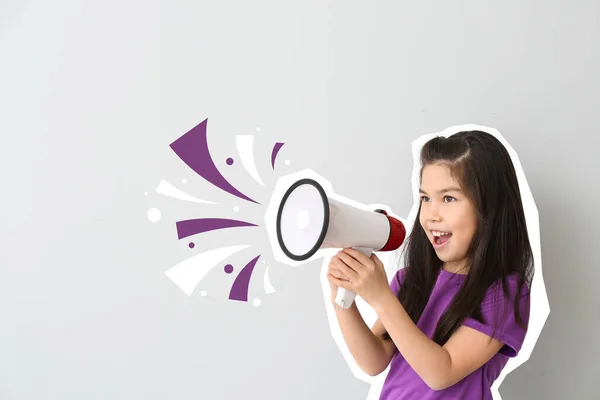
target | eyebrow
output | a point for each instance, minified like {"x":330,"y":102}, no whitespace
{"x":451,"y":189}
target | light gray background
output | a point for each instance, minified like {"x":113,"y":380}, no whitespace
{"x":92,"y":94}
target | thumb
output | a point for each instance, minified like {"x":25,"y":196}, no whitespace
{"x":376,"y":260}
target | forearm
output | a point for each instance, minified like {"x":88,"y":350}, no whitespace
{"x":429,"y":360}
{"x":365,"y":347}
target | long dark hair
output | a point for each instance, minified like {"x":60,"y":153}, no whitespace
{"x":500,"y":246}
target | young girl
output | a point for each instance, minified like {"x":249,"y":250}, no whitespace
{"x":450,"y":319}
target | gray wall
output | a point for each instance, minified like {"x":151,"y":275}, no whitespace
{"x":92,"y":94}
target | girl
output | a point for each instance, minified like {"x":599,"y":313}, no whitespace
{"x":449,"y":320}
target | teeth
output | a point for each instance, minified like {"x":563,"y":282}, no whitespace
{"x":439,"y":233}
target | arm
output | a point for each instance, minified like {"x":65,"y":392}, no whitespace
{"x":368,"y":348}
{"x":438,"y":366}
{"x":370,"y":351}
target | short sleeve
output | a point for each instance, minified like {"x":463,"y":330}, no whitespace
{"x":499,"y":319}
{"x":397,"y":281}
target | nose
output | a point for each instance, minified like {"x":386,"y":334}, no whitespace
{"x":433,"y":213}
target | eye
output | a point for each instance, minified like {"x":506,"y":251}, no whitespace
{"x":449,"y":198}
{"x":424,"y":198}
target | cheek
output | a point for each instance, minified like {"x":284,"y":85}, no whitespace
{"x":466,"y":226}
{"x":467,"y":231}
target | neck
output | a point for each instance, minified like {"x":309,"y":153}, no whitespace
{"x":456,"y":267}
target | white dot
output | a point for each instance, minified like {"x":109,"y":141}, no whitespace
{"x":264,"y":261}
{"x":184,"y":180}
{"x":145,"y":193}
{"x":236,"y":209}
{"x":257,"y":129}
{"x":287,"y":162}
{"x":256,"y":302}
{"x":303,"y":219}
{"x":154,"y":214}
{"x":203,"y":293}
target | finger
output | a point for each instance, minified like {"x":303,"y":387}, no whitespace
{"x":343,"y":266}
{"x":356,"y":266}
{"x":357,"y":255}
{"x":343,"y":284}
{"x":338,"y":274}
{"x":336,"y":266}
{"x":331,"y":280}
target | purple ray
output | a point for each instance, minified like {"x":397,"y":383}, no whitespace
{"x":239,"y":289}
{"x":192,"y":149}
{"x":276,"y":149}
{"x":193,"y":226}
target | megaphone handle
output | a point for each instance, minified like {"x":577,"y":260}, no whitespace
{"x":345,"y":298}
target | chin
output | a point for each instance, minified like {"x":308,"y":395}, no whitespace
{"x":448,"y":258}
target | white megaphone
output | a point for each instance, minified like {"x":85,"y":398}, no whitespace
{"x":308,"y":220}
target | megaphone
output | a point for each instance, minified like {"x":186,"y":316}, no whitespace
{"x":309,"y":220}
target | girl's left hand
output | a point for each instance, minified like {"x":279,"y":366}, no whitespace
{"x":367,"y":277}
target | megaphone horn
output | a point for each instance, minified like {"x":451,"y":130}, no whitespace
{"x":308,"y":220}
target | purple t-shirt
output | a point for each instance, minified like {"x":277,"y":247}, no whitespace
{"x":403,"y":383}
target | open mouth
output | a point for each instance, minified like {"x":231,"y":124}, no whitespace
{"x":440,"y":238}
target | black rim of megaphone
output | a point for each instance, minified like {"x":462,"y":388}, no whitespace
{"x":311,"y":252}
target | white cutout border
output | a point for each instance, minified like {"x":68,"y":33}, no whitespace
{"x":540,"y":308}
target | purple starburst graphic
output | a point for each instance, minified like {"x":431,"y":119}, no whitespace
{"x":191,"y":227}
{"x":274,"y":153}
{"x":239,"y":289}
{"x":192,"y":149}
